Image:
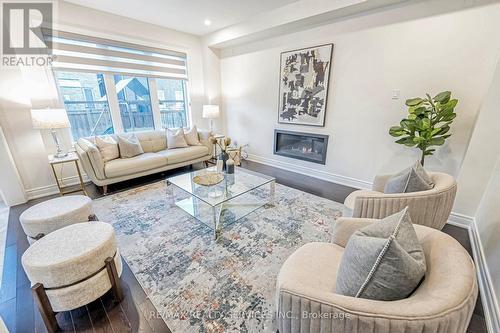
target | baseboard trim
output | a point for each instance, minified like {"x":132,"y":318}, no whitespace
{"x":460,"y":220}
{"x":44,"y":191}
{"x":485,"y":283}
{"x":320,"y":174}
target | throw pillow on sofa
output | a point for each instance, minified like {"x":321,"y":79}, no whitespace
{"x":108,"y":147}
{"x":413,"y":179}
{"x":191,"y":136}
{"x":383,"y":261}
{"x":129,"y":146}
{"x":175,"y":138}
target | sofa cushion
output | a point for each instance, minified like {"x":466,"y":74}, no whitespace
{"x":191,"y":136}
{"x":126,"y":166}
{"x":129,"y":146}
{"x":108,"y":147}
{"x":383,"y":261}
{"x":180,"y":155}
{"x":300,"y":274}
{"x":175,"y":138}
{"x":152,"y":141}
{"x":412,"y":179}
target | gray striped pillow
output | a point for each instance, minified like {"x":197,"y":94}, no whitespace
{"x":383,"y":261}
{"x":412,"y":179}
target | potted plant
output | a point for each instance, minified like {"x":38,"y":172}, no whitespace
{"x":428,"y":123}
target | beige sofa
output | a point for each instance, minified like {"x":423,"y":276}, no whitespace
{"x":443,"y":302}
{"x":431,"y":208}
{"x":156,"y":158}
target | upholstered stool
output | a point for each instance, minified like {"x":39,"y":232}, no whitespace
{"x":50,"y":215}
{"x":71,"y":267}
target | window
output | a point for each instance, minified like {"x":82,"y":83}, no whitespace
{"x":86,"y":102}
{"x":173,"y":102}
{"x":114,"y":87}
{"x":134,"y":102}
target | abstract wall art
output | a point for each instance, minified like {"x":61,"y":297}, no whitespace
{"x":304,"y":76}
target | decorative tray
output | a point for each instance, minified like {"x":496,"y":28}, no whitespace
{"x":210,"y":178}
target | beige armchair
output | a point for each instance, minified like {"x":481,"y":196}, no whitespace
{"x":430,"y":208}
{"x":444,"y":301}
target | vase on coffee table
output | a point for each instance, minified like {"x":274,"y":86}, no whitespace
{"x":223,"y":156}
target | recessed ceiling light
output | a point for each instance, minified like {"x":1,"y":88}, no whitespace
{"x":207,"y":22}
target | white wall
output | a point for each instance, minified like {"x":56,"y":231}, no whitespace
{"x":11,"y":187}
{"x":26,"y":145}
{"x":22,"y":90}
{"x":482,"y":153}
{"x":479,"y":182}
{"x":488,"y":225}
{"x":401,"y":48}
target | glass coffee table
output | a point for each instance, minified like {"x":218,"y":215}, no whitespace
{"x":216,"y":206}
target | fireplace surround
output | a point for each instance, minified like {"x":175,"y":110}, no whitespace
{"x":299,"y":145}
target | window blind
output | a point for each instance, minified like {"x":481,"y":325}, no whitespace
{"x":75,"y":52}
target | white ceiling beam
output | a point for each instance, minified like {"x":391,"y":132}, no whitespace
{"x":291,"y":18}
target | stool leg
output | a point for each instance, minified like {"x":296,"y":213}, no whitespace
{"x":113,"y":277}
{"x":48,"y":315}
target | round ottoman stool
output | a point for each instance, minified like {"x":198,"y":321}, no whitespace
{"x":71,"y":267}
{"x":53,"y":214}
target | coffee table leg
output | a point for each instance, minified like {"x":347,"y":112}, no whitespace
{"x":170,"y":194}
{"x":272,"y":192}
{"x":215,"y":223}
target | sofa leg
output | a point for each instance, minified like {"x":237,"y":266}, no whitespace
{"x":114,"y":279}
{"x":206,"y":164}
{"x":105,"y":190}
{"x":48,"y":315}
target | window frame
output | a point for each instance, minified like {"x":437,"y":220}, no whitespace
{"x":114,"y":109}
{"x":186,"y":101}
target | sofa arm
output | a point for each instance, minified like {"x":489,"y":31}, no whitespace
{"x":344,"y":227}
{"x":91,"y":159}
{"x":204,"y":137}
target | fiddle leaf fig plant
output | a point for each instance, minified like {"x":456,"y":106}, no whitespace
{"x":428,"y":123}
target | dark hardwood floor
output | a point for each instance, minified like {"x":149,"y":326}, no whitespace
{"x":136,"y":313}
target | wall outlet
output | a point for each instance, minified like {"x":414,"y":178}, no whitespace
{"x":395,"y":94}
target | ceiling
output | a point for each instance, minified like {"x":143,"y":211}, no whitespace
{"x":186,"y":15}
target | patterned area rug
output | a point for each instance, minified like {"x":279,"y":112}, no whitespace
{"x":199,"y":285}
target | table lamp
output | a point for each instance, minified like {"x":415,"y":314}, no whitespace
{"x":211,"y":112}
{"x":51,"y":119}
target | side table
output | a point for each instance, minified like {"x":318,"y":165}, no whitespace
{"x":70,"y":158}
{"x":235,"y":154}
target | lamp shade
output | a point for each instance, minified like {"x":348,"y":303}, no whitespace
{"x":211,"y":111}
{"x":49,"y":118}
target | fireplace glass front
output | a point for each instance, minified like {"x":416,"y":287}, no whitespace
{"x":303,"y":146}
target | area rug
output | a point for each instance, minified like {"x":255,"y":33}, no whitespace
{"x":201,"y":285}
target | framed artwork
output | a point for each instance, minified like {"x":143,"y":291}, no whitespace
{"x":304,"y":76}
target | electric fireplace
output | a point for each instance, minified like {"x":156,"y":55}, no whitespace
{"x":303,"y":146}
